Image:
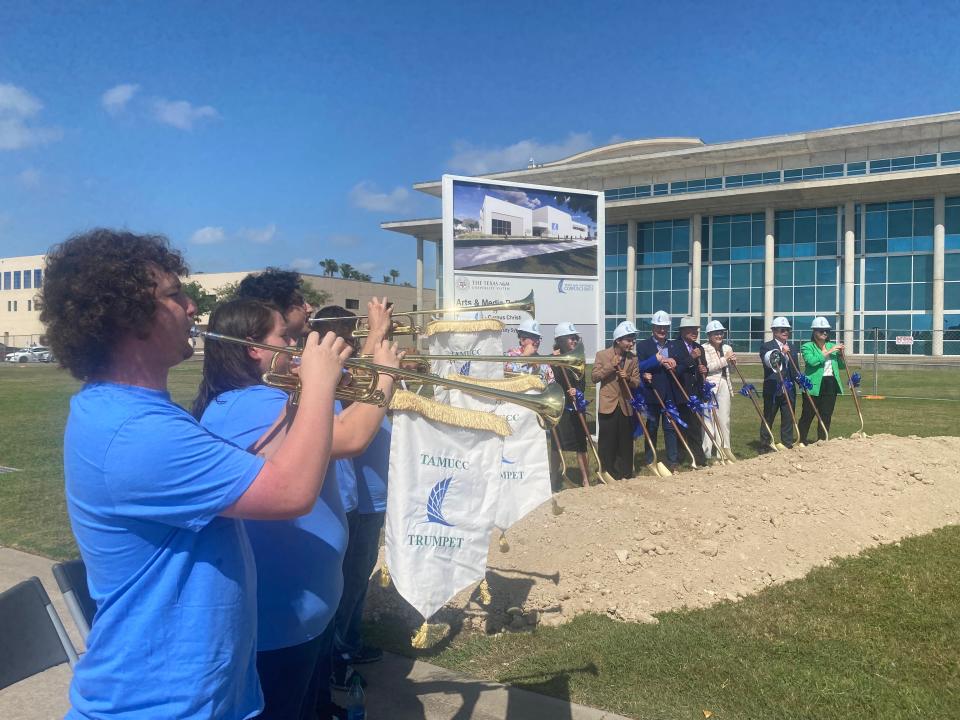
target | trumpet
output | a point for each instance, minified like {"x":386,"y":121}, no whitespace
{"x":403,"y":323}
{"x":548,"y":404}
{"x":574,"y":361}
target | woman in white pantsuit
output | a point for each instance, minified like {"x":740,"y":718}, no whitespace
{"x":718,"y":355}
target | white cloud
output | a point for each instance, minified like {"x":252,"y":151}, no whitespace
{"x":208,"y":236}
{"x":180,"y":113}
{"x":305,"y":265}
{"x":474,"y":160}
{"x":16,"y":107}
{"x":365,"y":267}
{"x":261,"y":236}
{"x":29,"y":178}
{"x":365,"y":195}
{"x":115,"y":99}
{"x":519,"y":197}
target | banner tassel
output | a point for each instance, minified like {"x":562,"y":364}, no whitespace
{"x":429,"y":635}
{"x":504,"y":545}
{"x":484,"y":589}
{"x":384,"y":576}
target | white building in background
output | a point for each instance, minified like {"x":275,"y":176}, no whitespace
{"x":499,"y":217}
{"x":548,"y":221}
{"x":20,"y":281}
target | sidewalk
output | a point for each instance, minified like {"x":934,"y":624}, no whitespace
{"x":400,"y":688}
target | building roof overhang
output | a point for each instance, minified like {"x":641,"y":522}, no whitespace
{"x":578,"y":170}
{"x":426,"y":229}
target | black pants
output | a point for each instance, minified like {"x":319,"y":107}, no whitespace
{"x":774,"y":402}
{"x":615,"y":444}
{"x":290,"y":678}
{"x":825,"y":402}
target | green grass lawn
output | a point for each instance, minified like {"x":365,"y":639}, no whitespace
{"x":871,"y":636}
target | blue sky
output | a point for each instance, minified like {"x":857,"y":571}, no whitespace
{"x":283,"y":133}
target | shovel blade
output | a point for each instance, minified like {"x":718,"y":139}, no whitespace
{"x":662,"y":470}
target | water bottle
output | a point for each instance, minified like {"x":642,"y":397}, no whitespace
{"x":356,"y":709}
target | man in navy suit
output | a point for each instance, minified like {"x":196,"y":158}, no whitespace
{"x":774,"y":398}
{"x":690,"y":371}
{"x":654,"y":358}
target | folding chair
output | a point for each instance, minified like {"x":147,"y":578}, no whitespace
{"x":72,"y":578}
{"x":32,"y":638}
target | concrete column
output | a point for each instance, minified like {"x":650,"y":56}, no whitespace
{"x":938,"y":234}
{"x":849,"y":267}
{"x":696,"y":243}
{"x":420,"y":274}
{"x":438,"y":295}
{"x":632,"y":271}
{"x":768,"y":274}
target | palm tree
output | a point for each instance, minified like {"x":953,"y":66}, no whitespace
{"x":386,"y":278}
{"x":364,"y":277}
{"x":394,"y":274}
{"x":330,"y":266}
{"x":346,"y":271}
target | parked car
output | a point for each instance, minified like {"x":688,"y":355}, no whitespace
{"x":34,"y":353}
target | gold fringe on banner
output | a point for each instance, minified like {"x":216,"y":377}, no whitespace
{"x":429,"y":635}
{"x":518,"y":383}
{"x":464,"y":326}
{"x":449,"y":415}
{"x":484,"y":590}
{"x":504,"y":545}
{"x":384,"y":576}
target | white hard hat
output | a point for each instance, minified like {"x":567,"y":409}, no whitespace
{"x":715,"y":326}
{"x":623,"y":329}
{"x":529,"y":326}
{"x":564,"y":328}
{"x":660,"y":318}
{"x":780,"y":322}
{"x":688,"y":322}
{"x":820,"y":323}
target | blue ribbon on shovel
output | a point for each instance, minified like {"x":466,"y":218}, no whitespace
{"x":785,"y":386}
{"x":671,"y":410}
{"x":747,"y":389}
{"x":639,"y":404}
{"x":854,"y":381}
{"x":804,"y":382}
{"x":579,"y":404}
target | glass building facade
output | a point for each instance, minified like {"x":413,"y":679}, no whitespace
{"x":893,"y":266}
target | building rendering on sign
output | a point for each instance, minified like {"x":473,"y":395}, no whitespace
{"x":859,"y":224}
{"x":499,"y":217}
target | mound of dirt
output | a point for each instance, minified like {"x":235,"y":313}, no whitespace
{"x":647,"y":545}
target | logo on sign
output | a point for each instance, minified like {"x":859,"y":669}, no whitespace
{"x":565,"y":286}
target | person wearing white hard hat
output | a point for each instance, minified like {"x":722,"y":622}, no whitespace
{"x":775,"y":397}
{"x":529,"y":337}
{"x":822,"y":361}
{"x":570,"y":430}
{"x":654,"y":358}
{"x":719,"y":357}
{"x":691,"y":370}
{"x":614,"y":413}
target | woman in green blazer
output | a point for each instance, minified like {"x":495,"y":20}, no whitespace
{"x":822,"y":362}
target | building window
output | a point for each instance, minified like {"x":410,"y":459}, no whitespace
{"x":16,"y":279}
{"x":806,"y":233}
{"x":351,"y":304}
{"x":29,"y":305}
{"x":37,"y":278}
{"x":615,"y":279}
{"x":663,"y":269}
{"x":500,"y":227}
{"x":26,"y":279}
{"x":7,"y":279}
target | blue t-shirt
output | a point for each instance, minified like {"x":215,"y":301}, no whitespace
{"x":173,"y":581}
{"x":299,"y":561}
{"x":371,"y":467}
{"x":346,"y":475}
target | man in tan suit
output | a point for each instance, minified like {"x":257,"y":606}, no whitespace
{"x":612,"y":365}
